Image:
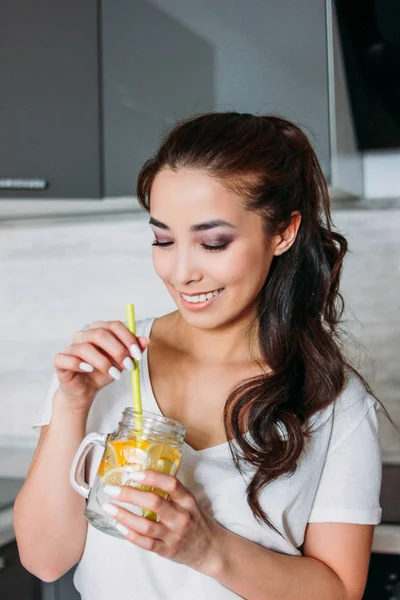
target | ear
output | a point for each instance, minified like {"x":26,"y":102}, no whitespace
{"x":285,"y":239}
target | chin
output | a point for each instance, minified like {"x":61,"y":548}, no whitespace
{"x":208,"y":321}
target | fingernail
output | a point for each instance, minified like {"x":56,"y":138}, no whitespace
{"x":128,"y":363}
{"x":109,"y":509}
{"x":122,"y":529}
{"x":114,"y":373}
{"x":112,"y":490}
{"x":86,"y":367}
{"x":136,"y":352}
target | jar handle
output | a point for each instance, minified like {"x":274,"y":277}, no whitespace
{"x":76,"y":477}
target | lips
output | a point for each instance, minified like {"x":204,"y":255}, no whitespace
{"x":197,"y":303}
{"x":198,"y":298}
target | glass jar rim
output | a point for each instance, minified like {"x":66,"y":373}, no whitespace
{"x":149,"y":419}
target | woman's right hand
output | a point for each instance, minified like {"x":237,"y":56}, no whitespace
{"x":95,"y":359}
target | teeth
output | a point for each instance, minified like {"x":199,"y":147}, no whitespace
{"x":201,"y":297}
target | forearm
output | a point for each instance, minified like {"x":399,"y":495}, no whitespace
{"x":48,"y":514}
{"x":256,"y":573}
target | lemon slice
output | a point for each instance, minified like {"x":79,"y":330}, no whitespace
{"x":163,"y":458}
{"x":120,"y":476}
{"x":136,"y":456}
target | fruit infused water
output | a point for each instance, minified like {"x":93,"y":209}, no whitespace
{"x":123,"y":457}
{"x":141,"y":441}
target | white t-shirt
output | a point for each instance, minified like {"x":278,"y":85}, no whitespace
{"x":337,"y":480}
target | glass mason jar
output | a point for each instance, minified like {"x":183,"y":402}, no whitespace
{"x":146,"y":441}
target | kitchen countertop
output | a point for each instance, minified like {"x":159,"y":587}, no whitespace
{"x":14,"y":462}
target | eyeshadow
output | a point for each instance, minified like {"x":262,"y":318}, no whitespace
{"x":217,"y":241}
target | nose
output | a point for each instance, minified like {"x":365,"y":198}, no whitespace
{"x":185,"y":268}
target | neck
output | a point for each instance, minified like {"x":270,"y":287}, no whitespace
{"x":231,"y":343}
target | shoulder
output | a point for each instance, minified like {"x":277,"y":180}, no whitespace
{"x":345,"y":414}
{"x":354,"y":399}
{"x":351,"y":408}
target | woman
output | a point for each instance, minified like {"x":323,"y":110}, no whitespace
{"x":278,"y":489}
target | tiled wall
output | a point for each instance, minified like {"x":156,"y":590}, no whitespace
{"x":56,"y":276}
{"x":371,"y":288}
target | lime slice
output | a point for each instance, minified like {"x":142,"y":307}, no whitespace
{"x":148,"y":514}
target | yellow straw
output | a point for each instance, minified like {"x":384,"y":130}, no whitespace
{"x":135,"y":375}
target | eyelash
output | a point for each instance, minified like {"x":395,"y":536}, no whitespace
{"x":210,"y":248}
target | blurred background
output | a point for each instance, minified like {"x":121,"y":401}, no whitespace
{"x":87,"y":89}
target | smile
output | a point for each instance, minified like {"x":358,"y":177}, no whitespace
{"x":196,"y":299}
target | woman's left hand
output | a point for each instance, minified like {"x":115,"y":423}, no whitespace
{"x":184,"y":533}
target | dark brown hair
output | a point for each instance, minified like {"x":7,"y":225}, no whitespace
{"x":272,"y":164}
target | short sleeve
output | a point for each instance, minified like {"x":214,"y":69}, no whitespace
{"x":349,"y":487}
{"x":43,"y":416}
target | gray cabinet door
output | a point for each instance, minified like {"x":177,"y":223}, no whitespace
{"x":49,"y":97}
{"x":62,"y":589}
{"x":165,"y":60}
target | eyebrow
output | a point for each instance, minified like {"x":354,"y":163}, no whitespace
{"x":199,"y":227}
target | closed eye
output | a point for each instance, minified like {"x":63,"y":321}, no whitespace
{"x":215,"y":248}
{"x":205,"y":246}
{"x":162,"y":244}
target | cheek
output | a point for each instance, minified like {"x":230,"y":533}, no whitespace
{"x":246,"y":264}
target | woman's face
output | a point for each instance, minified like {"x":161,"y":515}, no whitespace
{"x":211,"y":245}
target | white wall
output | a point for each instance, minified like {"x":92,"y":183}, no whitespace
{"x":371,"y":288}
{"x":382,"y":174}
{"x":56,"y":276}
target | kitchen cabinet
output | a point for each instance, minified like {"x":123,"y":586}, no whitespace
{"x":90,"y":87}
{"x":383,"y":578}
{"x":49,"y":97}
{"x":16,"y":583}
{"x":62,"y":589}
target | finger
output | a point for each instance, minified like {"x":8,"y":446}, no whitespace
{"x":108,"y":344}
{"x":152,"y":529}
{"x":89,"y":354}
{"x":169,"y":484}
{"x":142,"y":541}
{"x":175,"y":516}
{"x":167,"y":511}
{"x":144,"y":341}
{"x":65,"y":362}
{"x":134,"y":344}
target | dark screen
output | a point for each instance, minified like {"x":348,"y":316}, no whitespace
{"x":370,"y":36}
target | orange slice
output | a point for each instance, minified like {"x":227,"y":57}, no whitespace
{"x":124,"y":452}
